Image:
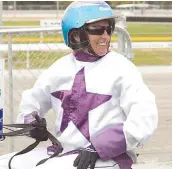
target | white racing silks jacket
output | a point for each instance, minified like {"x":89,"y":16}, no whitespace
{"x":102,"y":101}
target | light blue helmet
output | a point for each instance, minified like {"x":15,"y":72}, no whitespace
{"x":79,"y":13}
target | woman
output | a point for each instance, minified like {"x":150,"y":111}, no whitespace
{"x":101,"y":102}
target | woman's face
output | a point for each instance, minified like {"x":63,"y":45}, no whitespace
{"x":99,"y":34}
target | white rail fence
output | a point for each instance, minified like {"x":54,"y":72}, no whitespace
{"x":47,"y":47}
{"x":16,"y":59}
{"x":31,"y":56}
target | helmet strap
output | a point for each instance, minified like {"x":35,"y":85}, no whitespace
{"x":90,"y":49}
{"x":83,"y":43}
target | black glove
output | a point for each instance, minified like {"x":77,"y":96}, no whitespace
{"x":39,"y":133}
{"x":87,"y":157}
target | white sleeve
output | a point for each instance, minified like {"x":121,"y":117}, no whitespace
{"x":37,"y":98}
{"x":138,"y":103}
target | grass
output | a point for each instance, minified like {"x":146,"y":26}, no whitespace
{"x":149,"y":29}
{"x":57,"y":38}
{"x":153,"y":57}
{"x":21,"y":23}
{"x":135,"y":29}
{"x":138,"y":33}
{"x":40,"y":60}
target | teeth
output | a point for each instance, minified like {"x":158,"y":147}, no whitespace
{"x":102,"y":44}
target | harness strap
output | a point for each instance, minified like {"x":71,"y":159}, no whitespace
{"x":18,"y":132}
{"x":26,"y":128}
{"x":44,"y":160}
{"x":26,"y":150}
{"x":54,"y":142}
{"x":53,"y":139}
{"x":18,"y":125}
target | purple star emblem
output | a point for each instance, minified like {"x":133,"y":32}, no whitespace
{"x":77,"y":103}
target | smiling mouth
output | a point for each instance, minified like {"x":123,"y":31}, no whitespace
{"x":102,"y":44}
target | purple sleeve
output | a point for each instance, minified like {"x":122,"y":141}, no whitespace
{"x":28,"y":118}
{"x":110,"y":142}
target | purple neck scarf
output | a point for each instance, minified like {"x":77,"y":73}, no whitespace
{"x":86,"y":57}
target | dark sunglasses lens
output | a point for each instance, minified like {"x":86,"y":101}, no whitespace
{"x":109,"y":30}
{"x":95,"y":31}
{"x":100,"y":31}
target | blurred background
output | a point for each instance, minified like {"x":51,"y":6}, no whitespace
{"x":16,"y":10}
{"x":146,"y":21}
{"x":148,"y":8}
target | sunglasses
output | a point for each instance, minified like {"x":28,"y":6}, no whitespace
{"x":99,"y":30}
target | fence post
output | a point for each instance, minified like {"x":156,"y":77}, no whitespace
{"x":121,"y":22}
{"x":27,"y":59}
{"x":1,"y":79}
{"x":10,"y":74}
{"x":124,"y":41}
{"x":41,"y":37}
{"x":1,"y":95}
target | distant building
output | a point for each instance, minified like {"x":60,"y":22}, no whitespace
{"x":61,"y":5}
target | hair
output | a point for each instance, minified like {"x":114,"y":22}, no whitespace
{"x":78,"y":38}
